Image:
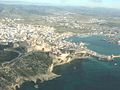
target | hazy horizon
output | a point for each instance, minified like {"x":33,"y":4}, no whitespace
{"x":86,"y":3}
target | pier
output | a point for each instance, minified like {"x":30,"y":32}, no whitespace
{"x":115,"y":56}
{"x":95,"y":54}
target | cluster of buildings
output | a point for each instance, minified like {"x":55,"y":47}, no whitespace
{"x":90,"y":24}
{"x":37,"y":37}
{"x":83,"y":24}
{"x":40,"y":37}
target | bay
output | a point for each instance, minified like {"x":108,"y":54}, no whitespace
{"x":87,"y":74}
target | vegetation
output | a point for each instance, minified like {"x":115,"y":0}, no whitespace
{"x":7,"y":55}
{"x":35,"y":63}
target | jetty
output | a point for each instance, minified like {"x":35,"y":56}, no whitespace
{"x":89,"y":53}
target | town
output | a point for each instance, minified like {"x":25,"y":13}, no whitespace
{"x":36,"y":39}
{"x":44,"y":38}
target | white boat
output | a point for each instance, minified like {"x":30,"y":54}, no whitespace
{"x":119,"y":42}
{"x":115,"y":64}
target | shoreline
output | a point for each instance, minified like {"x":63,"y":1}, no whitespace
{"x":46,"y":77}
{"x":61,"y":59}
{"x":42,"y":78}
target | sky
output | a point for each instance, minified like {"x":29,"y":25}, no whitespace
{"x":87,"y":3}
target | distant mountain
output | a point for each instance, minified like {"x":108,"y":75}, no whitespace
{"x":23,"y":3}
{"x":15,"y":10}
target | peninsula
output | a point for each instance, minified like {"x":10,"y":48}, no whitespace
{"x":31,"y":47}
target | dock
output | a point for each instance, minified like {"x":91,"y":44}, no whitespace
{"x":95,"y":54}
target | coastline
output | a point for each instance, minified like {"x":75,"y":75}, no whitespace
{"x":42,"y":78}
{"x":58,"y":58}
{"x":48,"y":76}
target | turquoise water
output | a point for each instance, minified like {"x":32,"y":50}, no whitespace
{"x":88,"y":74}
{"x":98,"y":44}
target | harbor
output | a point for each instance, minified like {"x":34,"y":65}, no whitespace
{"x":88,"y":69}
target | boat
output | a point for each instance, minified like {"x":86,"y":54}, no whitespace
{"x":115,"y":64}
{"x":119,"y":42}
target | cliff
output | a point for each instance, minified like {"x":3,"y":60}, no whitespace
{"x":31,"y":66}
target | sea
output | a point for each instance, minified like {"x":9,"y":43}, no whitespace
{"x":84,"y":74}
